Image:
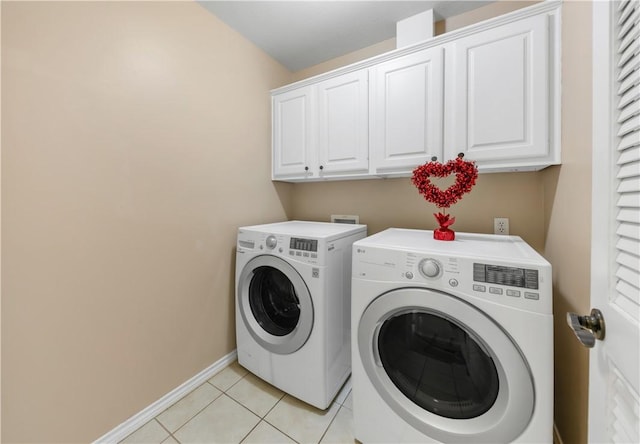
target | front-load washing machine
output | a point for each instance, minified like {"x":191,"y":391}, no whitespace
{"x":451,"y":341}
{"x":293,"y":288}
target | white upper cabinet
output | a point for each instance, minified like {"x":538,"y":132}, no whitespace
{"x":343,"y":124}
{"x":293,"y":139}
{"x":406,"y":111}
{"x":489,"y":90}
{"x":321,"y":130}
{"x":498,"y":98}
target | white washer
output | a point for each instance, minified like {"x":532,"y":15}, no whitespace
{"x":293,"y":288}
{"x":452,"y":341}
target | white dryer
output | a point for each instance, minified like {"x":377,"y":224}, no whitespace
{"x":293,"y":288}
{"x":452,"y":341}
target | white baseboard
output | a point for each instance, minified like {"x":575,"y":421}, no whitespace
{"x":141,"y":418}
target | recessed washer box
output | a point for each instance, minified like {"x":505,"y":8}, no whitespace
{"x":345,"y":219}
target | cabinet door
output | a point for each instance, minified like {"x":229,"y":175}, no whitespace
{"x":406,"y":111}
{"x":343,"y":124}
{"x":498,"y":99}
{"x":293,"y":146}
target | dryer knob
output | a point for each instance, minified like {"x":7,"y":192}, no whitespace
{"x":429,"y":268}
{"x":271,"y":242}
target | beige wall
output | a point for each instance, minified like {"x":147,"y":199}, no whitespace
{"x":568,"y":222}
{"x":549,"y":209}
{"x":338,"y":62}
{"x":477,"y":15}
{"x":135,"y":140}
{"x":396,"y":203}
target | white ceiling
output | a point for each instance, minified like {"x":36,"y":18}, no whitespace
{"x":300,"y":33}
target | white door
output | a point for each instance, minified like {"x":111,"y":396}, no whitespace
{"x":343,"y":124}
{"x":614,"y":370}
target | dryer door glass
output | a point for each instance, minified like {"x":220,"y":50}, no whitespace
{"x":273,"y":301}
{"x":445,"y":367}
{"x":438,"y":365}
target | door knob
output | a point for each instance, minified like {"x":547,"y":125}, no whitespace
{"x":587,"y":328}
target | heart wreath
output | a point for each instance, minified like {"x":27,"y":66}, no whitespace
{"x":466,"y":174}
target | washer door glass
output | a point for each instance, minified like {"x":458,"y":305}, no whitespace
{"x":438,"y":365}
{"x":445,"y":367}
{"x":273,"y":301}
{"x":274,"y":304}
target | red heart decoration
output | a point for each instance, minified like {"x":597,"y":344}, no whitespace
{"x":466,"y":175}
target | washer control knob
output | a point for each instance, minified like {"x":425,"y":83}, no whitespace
{"x":271,"y":242}
{"x":429,"y":268}
{"x":408,"y":275}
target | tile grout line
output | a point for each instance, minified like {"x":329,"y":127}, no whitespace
{"x":249,"y":433}
{"x":284,"y":433}
{"x":192,"y":416}
{"x":274,"y":405}
{"x":250,"y":411}
{"x":330,"y":423}
{"x":167,"y":430}
{"x":264,"y":418}
{"x":284,"y":394}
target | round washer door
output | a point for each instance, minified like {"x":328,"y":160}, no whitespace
{"x":275,"y":304}
{"x":445,"y":367}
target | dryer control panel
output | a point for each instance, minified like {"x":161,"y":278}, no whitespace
{"x":511,"y":276}
{"x":525,"y":285}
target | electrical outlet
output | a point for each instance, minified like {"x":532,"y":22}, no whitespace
{"x":501,"y":225}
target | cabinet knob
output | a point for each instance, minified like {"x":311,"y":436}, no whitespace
{"x":321,"y":168}
{"x":306,"y":168}
{"x":434,"y":158}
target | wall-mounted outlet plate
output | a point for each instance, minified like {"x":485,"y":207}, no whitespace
{"x":501,"y":225}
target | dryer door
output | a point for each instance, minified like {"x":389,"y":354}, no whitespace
{"x":445,"y":367}
{"x":275,"y":304}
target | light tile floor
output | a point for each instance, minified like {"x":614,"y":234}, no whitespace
{"x":234,"y":406}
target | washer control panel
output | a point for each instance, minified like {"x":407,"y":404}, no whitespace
{"x":303,"y":249}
